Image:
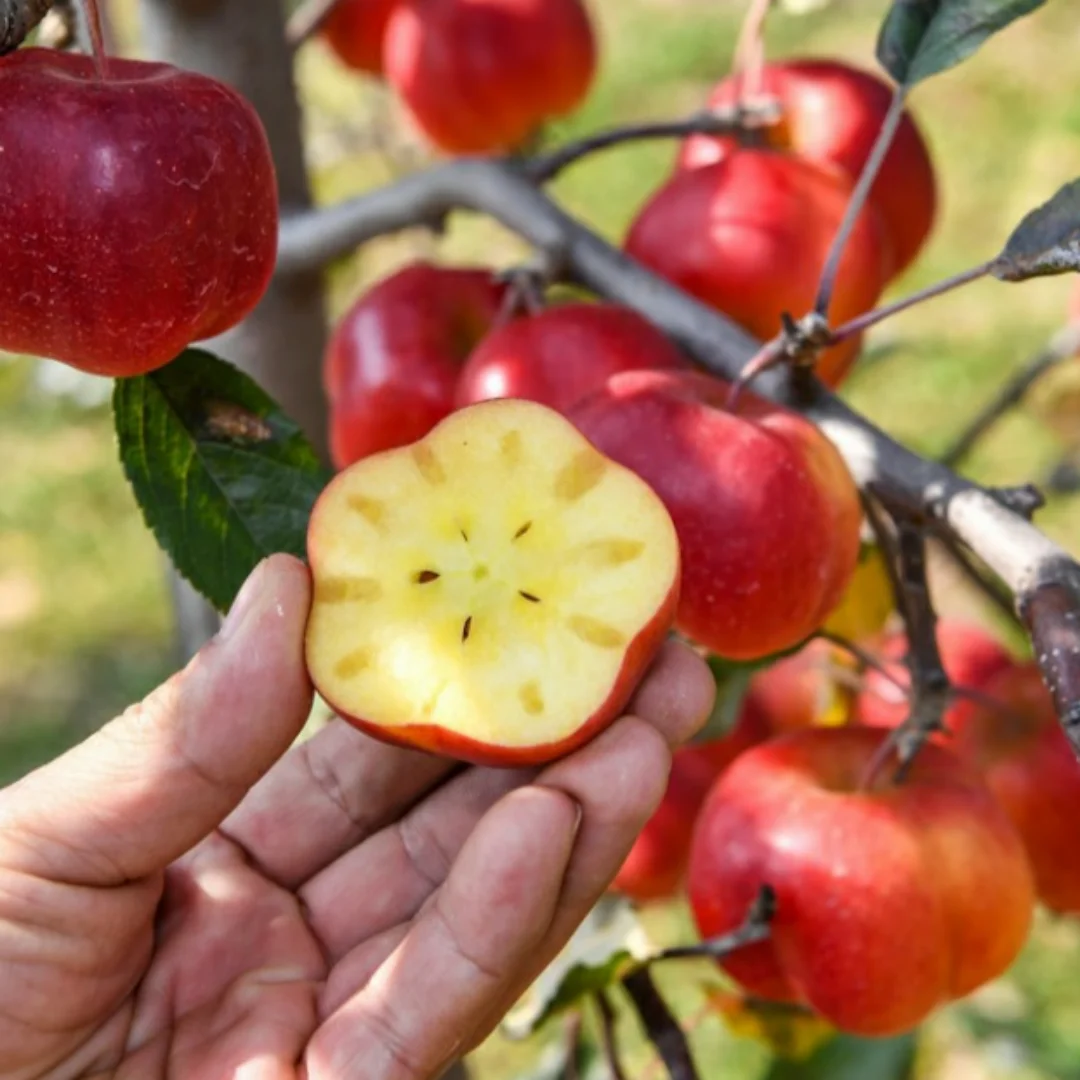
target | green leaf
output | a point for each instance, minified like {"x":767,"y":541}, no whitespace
{"x":223,"y":477}
{"x":1046,"y":242}
{"x":609,"y":943}
{"x":921,"y":38}
{"x":849,"y":1058}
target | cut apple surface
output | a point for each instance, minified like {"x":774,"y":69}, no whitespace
{"x":493,"y":591}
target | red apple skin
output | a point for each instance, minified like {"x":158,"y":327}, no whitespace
{"x":354,"y":30}
{"x":655,"y":869}
{"x":483,"y":75}
{"x":395,"y":357}
{"x":797,"y":691}
{"x":767,"y":514}
{"x":969,"y":655}
{"x":561,"y":354}
{"x":890,"y":901}
{"x":437,"y":740}
{"x":749,"y":236}
{"x":137,"y":214}
{"x":831,"y":114}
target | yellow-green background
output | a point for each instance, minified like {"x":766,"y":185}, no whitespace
{"x":84,"y":620}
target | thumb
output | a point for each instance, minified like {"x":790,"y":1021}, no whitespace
{"x":148,"y":786}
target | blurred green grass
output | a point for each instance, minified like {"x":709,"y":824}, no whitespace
{"x":84,"y":621}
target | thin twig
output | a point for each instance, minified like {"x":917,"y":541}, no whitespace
{"x":728,"y":121}
{"x":660,"y":1025}
{"x":749,"y":58}
{"x":307,"y":20}
{"x":754,"y":928}
{"x":865,"y":658}
{"x":963,"y":562}
{"x":886,"y":311}
{"x":572,"y":1036}
{"x":1064,"y":345}
{"x":608,"y":1042}
{"x":857,"y":201}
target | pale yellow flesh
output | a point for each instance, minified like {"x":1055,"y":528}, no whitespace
{"x":554,"y":556}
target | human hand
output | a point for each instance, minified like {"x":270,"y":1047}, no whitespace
{"x":177,"y":901}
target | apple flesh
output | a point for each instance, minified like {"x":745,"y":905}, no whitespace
{"x":767,"y":513}
{"x":561,"y":354}
{"x":354,"y":30}
{"x":395,"y":357}
{"x":138,"y":213}
{"x":493,"y":592}
{"x":483,"y":75}
{"x":749,"y":236}
{"x":655,"y":869}
{"x":831,"y":114}
{"x":891,"y":898}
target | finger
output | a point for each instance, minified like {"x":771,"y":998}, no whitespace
{"x":409,"y":859}
{"x":325,"y":797}
{"x":419,"y":1009}
{"x":152,"y":783}
{"x":678,"y":693}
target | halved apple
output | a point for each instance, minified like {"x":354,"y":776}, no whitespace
{"x":493,"y":592}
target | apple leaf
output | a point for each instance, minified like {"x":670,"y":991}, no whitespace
{"x":222,"y":476}
{"x":921,"y":38}
{"x":847,"y":1057}
{"x":1046,"y":242}
{"x":609,"y":943}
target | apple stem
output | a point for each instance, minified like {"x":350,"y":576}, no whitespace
{"x":1064,"y":345}
{"x":865,"y":658}
{"x":92,"y":14}
{"x":749,"y":59}
{"x":886,"y":311}
{"x":768,"y":356}
{"x":859,"y":195}
{"x":755,"y":927}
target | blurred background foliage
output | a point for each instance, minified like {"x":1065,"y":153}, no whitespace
{"x":84,"y":617}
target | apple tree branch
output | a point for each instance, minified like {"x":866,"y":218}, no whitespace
{"x":17,"y":19}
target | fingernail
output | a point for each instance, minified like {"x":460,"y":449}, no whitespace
{"x":245,"y":600}
{"x":579,"y":817}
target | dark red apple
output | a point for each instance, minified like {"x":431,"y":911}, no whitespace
{"x":767,"y":513}
{"x":750,"y":234}
{"x":395,"y":357}
{"x":354,"y":29}
{"x":138,"y":213}
{"x":483,"y":75}
{"x":559,"y":355}
{"x":831,"y":114}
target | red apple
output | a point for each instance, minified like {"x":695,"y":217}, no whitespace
{"x":483,"y":75}
{"x":493,"y":592}
{"x":656,"y":865}
{"x":891,"y":898}
{"x":395,"y":357}
{"x":1022,"y":752}
{"x":831,"y":114}
{"x":749,"y":235}
{"x":559,"y":355}
{"x":138,"y":213}
{"x":969,"y":656}
{"x":802,"y":690}
{"x":767,"y":513}
{"x":354,"y":29}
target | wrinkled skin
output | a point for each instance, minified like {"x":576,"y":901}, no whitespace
{"x":182,"y":895}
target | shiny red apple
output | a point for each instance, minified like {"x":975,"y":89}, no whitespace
{"x":749,"y":235}
{"x":831,"y":113}
{"x":354,"y":29}
{"x":767,"y":513}
{"x":395,"y":357}
{"x":562,"y":353}
{"x":138,"y":213}
{"x":484,"y":75}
